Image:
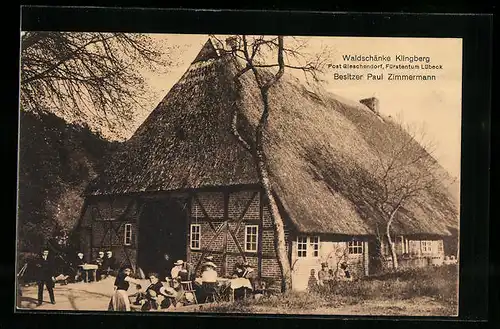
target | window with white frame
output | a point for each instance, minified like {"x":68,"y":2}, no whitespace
{"x":402,"y":243}
{"x":314,"y":243}
{"x":195,"y":236}
{"x":385,"y":248}
{"x":426,"y":247}
{"x":251,"y":237}
{"x":127,"y":235}
{"x":308,"y":246}
{"x":355,"y":247}
{"x":302,"y":246}
{"x":440,"y":246}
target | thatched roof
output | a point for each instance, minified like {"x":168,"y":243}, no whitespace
{"x":319,"y":148}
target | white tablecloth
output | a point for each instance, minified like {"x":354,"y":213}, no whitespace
{"x":87,"y":267}
{"x":233,"y":283}
{"x":240,"y":283}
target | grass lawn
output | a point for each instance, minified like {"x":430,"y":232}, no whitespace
{"x":428,"y":291}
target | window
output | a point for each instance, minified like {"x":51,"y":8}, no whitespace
{"x":302,"y":246}
{"x":128,"y":235}
{"x":314,"y":242}
{"x":355,"y":247}
{"x":440,"y":246}
{"x":403,"y":246}
{"x":386,"y":249}
{"x":426,"y":246}
{"x":251,"y":234}
{"x":195,"y":237}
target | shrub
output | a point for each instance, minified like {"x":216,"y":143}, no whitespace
{"x":439,"y":283}
{"x":435,"y":282}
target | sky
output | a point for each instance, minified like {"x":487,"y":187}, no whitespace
{"x":434,"y":104}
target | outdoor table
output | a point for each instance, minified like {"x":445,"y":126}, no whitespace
{"x":224,"y":284}
{"x":234,"y":284}
{"x":89,"y":268}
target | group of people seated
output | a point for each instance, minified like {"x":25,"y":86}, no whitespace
{"x":182,"y":286}
{"x":327,"y":276}
{"x":106,"y":266}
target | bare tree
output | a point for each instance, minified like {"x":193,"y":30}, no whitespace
{"x":260,"y":55}
{"x":86,"y":76}
{"x":404,"y":169}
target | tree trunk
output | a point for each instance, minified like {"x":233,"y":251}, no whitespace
{"x":279,"y":227}
{"x":393,"y":252}
{"x":389,"y":240}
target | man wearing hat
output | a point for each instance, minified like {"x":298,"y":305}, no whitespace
{"x":323,"y":275}
{"x":178,"y":266}
{"x":45,"y":276}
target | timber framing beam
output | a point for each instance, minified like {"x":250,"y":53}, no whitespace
{"x":225,"y":224}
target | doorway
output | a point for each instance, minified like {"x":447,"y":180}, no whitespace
{"x":374,"y":257}
{"x":162,"y":231}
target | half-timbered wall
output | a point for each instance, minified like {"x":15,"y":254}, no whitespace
{"x":102,"y":228}
{"x":223,"y":218}
{"x":415,"y":252}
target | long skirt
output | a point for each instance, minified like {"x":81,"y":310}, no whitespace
{"x":119,"y":301}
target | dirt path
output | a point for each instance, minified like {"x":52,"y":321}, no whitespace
{"x":95,"y":297}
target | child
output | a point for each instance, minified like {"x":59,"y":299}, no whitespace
{"x":312,"y":283}
{"x":347,"y":274}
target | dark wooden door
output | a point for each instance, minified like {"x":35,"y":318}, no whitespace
{"x":162,"y":231}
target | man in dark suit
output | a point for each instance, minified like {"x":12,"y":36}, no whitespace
{"x":79,"y":262}
{"x":99,"y":261}
{"x":45,"y":276}
{"x":109,"y":264}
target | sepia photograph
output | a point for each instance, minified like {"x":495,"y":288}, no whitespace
{"x":244,"y":174}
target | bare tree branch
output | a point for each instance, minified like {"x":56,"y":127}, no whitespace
{"x":88,"y":76}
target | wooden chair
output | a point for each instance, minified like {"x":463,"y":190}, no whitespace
{"x":187,"y":286}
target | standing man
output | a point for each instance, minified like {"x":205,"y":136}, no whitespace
{"x":109,"y":264}
{"x":79,"y":262}
{"x":99,"y":261}
{"x":45,"y":276}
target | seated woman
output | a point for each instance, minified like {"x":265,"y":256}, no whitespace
{"x":208,"y":281}
{"x":250,"y":274}
{"x":152,"y":297}
{"x":173,"y":293}
{"x":238,"y":271}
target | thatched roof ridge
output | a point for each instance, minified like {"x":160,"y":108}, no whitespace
{"x":319,"y":151}
{"x":318,"y":148}
{"x":184,"y":143}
